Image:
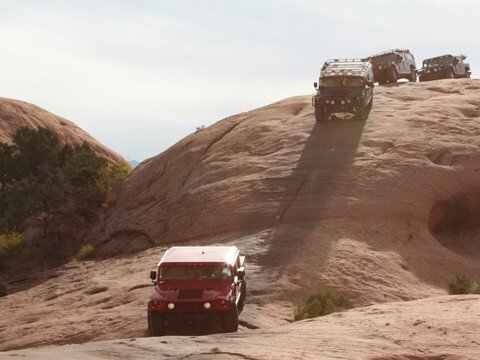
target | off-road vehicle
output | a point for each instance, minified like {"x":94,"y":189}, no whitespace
{"x":444,"y":67}
{"x":344,"y":86}
{"x":197,"y":284}
{"x":389,"y":66}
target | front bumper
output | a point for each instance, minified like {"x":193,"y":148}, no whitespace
{"x":433,"y":73}
{"x":346,"y":104}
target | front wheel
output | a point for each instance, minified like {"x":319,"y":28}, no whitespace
{"x":361,"y":113}
{"x":413,"y":76}
{"x":320,"y":113}
{"x":231,"y":319}
{"x":467,"y":75}
{"x":156,"y":325}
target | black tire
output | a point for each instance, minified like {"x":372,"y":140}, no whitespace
{"x":156,"y":325}
{"x":382,"y":82}
{"x":231,"y":319}
{"x":320,"y":113}
{"x":467,"y":75}
{"x":243,"y":297}
{"x":450,"y":73}
{"x":362,"y":112}
{"x":392,"y":75}
{"x":413,"y":76}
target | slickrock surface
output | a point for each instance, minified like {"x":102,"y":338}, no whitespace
{"x":379,"y":210}
{"x":439,"y":328}
{"x":382,"y":210}
{"x":15,"y":114}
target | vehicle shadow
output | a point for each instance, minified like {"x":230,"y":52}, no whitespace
{"x":320,"y":179}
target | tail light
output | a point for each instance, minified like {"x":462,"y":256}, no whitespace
{"x":156,"y":305}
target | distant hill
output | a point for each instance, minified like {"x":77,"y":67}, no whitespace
{"x":134,"y":163}
{"x":15,"y":114}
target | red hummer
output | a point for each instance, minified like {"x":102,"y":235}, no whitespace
{"x":201,"y":284}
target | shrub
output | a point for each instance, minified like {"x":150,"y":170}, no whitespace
{"x":12,"y":251}
{"x":462,"y":285}
{"x":3,"y":287}
{"x":85,"y":252}
{"x":321,"y":304}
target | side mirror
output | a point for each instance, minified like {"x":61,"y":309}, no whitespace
{"x":399,"y":58}
{"x":241,"y":273}
{"x":315,"y":85}
{"x":153,"y":275}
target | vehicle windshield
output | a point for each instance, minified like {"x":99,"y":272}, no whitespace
{"x":383,"y":58}
{"x":437,"y":61}
{"x":342,"y":81}
{"x":190,"y":272}
{"x":176,"y":272}
{"x":214,"y":272}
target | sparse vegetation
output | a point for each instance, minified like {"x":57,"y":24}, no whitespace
{"x":200,"y":128}
{"x":463,"y":285}
{"x":85,"y":252}
{"x":12,"y":251}
{"x":321,"y":304}
{"x":41,"y":178}
{"x":42,"y":181}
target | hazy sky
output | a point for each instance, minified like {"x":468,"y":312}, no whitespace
{"x":141,"y":75}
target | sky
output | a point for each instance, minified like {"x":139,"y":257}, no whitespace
{"x":141,"y":75}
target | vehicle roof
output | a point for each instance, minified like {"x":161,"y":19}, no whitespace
{"x":443,"y":56}
{"x":389,"y":52}
{"x":345,"y":67}
{"x":200,"y":254}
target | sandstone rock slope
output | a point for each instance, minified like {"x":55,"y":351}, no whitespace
{"x":382,"y":210}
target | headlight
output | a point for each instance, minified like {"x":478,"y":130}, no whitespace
{"x":380,"y":66}
{"x":435,"y":69}
{"x":171,"y":306}
{"x":343,"y":102}
{"x":349,"y":101}
{"x":207,"y":305}
{"x":428,"y":71}
{"x":332,"y":102}
{"x":326,"y":101}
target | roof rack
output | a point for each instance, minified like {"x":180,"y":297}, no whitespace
{"x":388,"y":52}
{"x":345,"y":67}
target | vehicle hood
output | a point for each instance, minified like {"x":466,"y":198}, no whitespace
{"x":201,"y":291}
{"x":339,"y":92}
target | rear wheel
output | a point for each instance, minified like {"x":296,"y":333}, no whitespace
{"x":392,"y":75}
{"x":382,"y":82}
{"x":231,"y":319}
{"x":156,"y":325}
{"x":450,"y":73}
{"x":243,"y":296}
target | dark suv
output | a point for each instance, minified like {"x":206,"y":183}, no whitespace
{"x":344,"y":86}
{"x":444,"y":67}
{"x":392,"y":65}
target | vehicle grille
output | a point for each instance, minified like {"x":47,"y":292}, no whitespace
{"x":189,"y":306}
